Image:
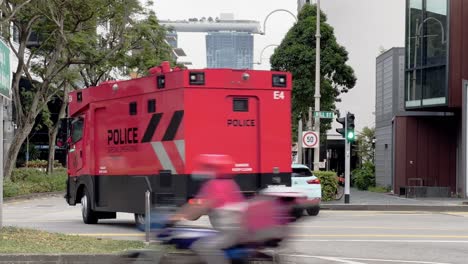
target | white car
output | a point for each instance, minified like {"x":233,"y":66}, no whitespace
{"x":302,"y":178}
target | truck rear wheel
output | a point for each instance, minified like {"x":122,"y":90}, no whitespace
{"x":89,"y":216}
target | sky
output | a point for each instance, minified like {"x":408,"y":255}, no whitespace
{"x":363,"y":27}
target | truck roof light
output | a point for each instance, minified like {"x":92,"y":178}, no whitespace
{"x":279,"y":80}
{"x":197,"y":78}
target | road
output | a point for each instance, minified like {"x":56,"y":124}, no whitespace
{"x":352,"y":237}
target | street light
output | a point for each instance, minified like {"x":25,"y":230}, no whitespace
{"x":271,"y":13}
{"x":261,"y":53}
{"x":317,"y":89}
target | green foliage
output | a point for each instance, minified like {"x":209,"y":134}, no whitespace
{"x":126,"y":48}
{"x":42,"y":164}
{"x":296,"y":54}
{"x":329,"y":184}
{"x":27,"y":181}
{"x":34,"y":154}
{"x":19,"y":240}
{"x":379,"y":189}
{"x":364,"y":177}
{"x":365,"y":146}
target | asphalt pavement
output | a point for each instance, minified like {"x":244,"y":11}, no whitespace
{"x":354,"y":237}
{"x":364,"y":200}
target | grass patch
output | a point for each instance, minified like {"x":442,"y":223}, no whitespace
{"x":379,"y":189}
{"x":19,"y":240}
{"x":25,"y":181}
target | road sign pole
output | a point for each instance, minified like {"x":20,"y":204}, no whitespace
{"x":299,"y":142}
{"x":347,"y":167}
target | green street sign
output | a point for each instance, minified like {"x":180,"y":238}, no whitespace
{"x":5,"y":72}
{"x":324,"y":114}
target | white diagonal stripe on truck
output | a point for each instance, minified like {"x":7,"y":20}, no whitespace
{"x":180,"y":144}
{"x":164,"y":159}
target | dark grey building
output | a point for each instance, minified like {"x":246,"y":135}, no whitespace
{"x":229,"y":50}
{"x":390,"y":97}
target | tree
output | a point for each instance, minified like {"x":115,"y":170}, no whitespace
{"x":66,"y":38}
{"x":296,"y":54}
{"x":365,"y":145}
{"x":126,"y":45}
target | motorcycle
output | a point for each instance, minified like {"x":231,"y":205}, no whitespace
{"x":181,"y":238}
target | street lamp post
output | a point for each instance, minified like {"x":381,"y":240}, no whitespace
{"x":317,"y":90}
{"x":271,"y":13}
{"x":263,"y":50}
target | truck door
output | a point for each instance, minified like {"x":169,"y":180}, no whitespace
{"x":75,"y":153}
{"x":242,"y":138}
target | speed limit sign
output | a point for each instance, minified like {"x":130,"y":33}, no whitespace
{"x":310,"y":139}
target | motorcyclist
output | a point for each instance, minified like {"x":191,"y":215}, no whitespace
{"x":221,"y":199}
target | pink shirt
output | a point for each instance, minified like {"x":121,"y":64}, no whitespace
{"x":221,"y":191}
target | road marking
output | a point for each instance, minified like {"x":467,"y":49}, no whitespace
{"x":353,"y":260}
{"x":110,"y":234}
{"x":383,"y":235}
{"x":379,"y":227}
{"x":380,"y":241}
{"x":324,"y":235}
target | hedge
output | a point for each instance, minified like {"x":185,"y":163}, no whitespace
{"x":28,"y":180}
{"x":42,"y":164}
{"x":329,"y":184}
{"x":364,"y":177}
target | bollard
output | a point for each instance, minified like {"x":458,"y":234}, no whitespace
{"x":147,"y":215}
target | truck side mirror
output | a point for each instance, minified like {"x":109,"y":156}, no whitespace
{"x":63,"y":132}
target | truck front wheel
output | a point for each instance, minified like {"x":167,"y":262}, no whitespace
{"x":89,"y":216}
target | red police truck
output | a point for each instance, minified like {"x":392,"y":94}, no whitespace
{"x":120,"y":132}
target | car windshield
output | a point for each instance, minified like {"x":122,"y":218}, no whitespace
{"x":301,"y":172}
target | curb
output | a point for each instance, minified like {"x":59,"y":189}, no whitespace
{"x":32,"y":196}
{"x":59,"y":259}
{"x":395,"y":207}
{"x":144,"y":256}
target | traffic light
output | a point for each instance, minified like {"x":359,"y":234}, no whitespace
{"x":350,"y":135}
{"x":341,"y":131}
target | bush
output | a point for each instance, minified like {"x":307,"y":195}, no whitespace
{"x":329,"y":184}
{"x":28,"y":180}
{"x":42,"y":164}
{"x":364,"y":177}
{"x":379,"y":189}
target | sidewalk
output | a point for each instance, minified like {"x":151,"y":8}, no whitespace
{"x":364,"y":200}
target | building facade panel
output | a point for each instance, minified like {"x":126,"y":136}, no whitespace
{"x":229,"y":50}
{"x":383,"y":157}
{"x":458,"y":50}
{"x":389,"y":88}
{"x":425,"y":150}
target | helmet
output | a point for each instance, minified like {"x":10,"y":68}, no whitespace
{"x":217,"y":165}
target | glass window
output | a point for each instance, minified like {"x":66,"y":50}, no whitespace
{"x":426,"y":52}
{"x":414,"y":13}
{"x":413,"y":81}
{"x":434,"y":28}
{"x":133,"y":108}
{"x":77,"y":129}
{"x":434,"y":83}
{"x":240,"y":105}
{"x":152,"y":106}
